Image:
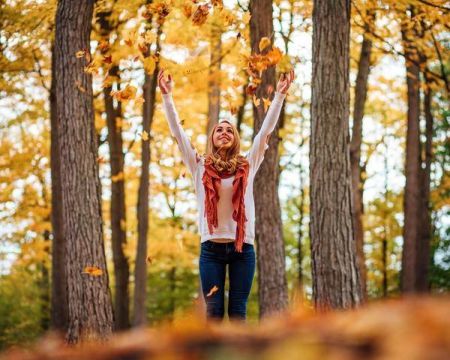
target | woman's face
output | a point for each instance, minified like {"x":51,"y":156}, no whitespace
{"x":223,"y":136}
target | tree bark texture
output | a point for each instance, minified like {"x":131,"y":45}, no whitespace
{"x":355,"y":148}
{"x":90,"y":312}
{"x":58,"y":291}
{"x":336,"y":277}
{"x":272,"y":283}
{"x":412,"y":197}
{"x":140,"y":273}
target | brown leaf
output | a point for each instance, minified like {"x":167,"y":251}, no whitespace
{"x":201,"y":14}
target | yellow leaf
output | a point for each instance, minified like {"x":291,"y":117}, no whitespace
{"x":144,"y":135}
{"x":266,"y":103}
{"x":117,"y":177}
{"x":149,"y":64}
{"x":93,"y":271}
{"x":246,"y":17}
{"x":80,"y":54}
{"x":264,"y":43}
{"x":123,"y":225}
{"x":256,"y":101}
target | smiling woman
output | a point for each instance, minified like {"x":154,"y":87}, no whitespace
{"x":223,"y":180}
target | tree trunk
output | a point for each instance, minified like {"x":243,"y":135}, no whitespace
{"x":118,"y":207}
{"x":241,"y":110}
{"x":424,"y":241}
{"x":89,"y":302}
{"x":355,"y":148}
{"x":117,"y":210}
{"x":412,"y":197}
{"x":214,"y":78}
{"x":336,"y":277}
{"x":140,"y":274}
{"x":272,"y":283}
{"x":59,"y":309}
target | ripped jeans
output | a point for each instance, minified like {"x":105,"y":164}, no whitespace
{"x":241,"y":267}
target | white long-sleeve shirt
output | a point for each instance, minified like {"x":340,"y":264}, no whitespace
{"x":195,"y":163}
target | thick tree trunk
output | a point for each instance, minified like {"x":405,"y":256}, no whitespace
{"x":412,"y":197}
{"x":272,"y":283}
{"x":336,"y":277}
{"x":214,"y":78}
{"x":140,"y":273}
{"x":59,"y":309}
{"x":355,"y":148}
{"x":89,"y":301}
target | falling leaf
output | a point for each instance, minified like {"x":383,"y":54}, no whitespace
{"x":218,"y":3}
{"x":149,"y":65}
{"x":107,"y":59}
{"x":93,"y":271}
{"x":117,"y":177}
{"x":80,"y":54}
{"x":92,"y":68}
{"x":200,"y":15}
{"x":144,"y":135}
{"x":149,"y":259}
{"x":183,"y":174}
{"x":101,"y":160}
{"x":187,"y":9}
{"x":266,"y":103}
{"x":143,"y":48}
{"x":129,"y":42}
{"x":246,"y":17}
{"x":103,"y":46}
{"x":213,"y":290}
{"x":79,"y":86}
{"x":128,"y":93}
{"x":264,"y":43}
{"x":107,"y":81}
{"x":274,"y":56}
{"x":233,"y":109}
{"x":123,"y":224}
{"x":251,"y":89}
{"x":149,"y":37}
{"x":256,"y":101}
{"x":236,"y":82}
{"x":139,"y":100}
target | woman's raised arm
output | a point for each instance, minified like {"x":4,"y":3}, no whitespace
{"x":188,"y":153}
{"x":260,"y":142}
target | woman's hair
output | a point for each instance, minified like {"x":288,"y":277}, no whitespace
{"x":233,"y":158}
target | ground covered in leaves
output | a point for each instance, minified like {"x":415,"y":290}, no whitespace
{"x":414,"y":328}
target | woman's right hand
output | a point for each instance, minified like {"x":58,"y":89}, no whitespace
{"x":164,"y":85}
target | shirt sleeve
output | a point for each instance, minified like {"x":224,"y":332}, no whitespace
{"x":189,"y":155}
{"x":255,"y":155}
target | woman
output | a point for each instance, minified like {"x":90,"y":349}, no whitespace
{"x":223,"y":182}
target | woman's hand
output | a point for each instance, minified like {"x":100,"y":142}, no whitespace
{"x":285,"y":82}
{"x":164,"y":85}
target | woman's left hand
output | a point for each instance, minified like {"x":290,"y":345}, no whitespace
{"x":285,"y":82}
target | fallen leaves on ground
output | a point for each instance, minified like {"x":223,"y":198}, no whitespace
{"x":414,"y":328}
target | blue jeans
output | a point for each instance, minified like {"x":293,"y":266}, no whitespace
{"x":241,"y":266}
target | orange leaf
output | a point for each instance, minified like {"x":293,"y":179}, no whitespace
{"x":93,"y":271}
{"x":200,"y":15}
{"x":213,"y":290}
